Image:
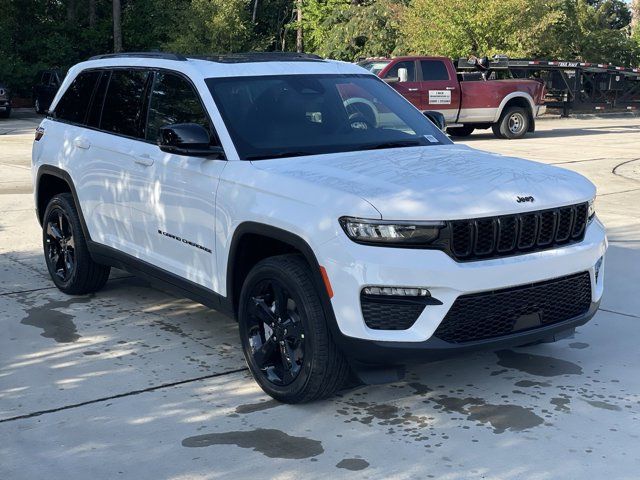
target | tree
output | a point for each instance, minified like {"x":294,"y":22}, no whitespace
{"x":350,"y":29}
{"x":117,"y":26}
{"x":461,"y":27}
{"x":214,"y":26}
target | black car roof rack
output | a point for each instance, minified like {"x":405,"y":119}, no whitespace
{"x":162,"y":55}
{"x":243,"y":57}
{"x":247,"y":57}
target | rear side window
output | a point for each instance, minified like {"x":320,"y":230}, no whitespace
{"x":433,"y":70}
{"x":411,"y":71}
{"x":173,"y":100}
{"x":123,"y":105}
{"x":73,"y":105}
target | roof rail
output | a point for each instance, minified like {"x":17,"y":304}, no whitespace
{"x":259,"y":57}
{"x":163,"y":55}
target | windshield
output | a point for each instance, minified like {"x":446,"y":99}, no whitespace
{"x":294,"y":115}
{"x":376,"y":66}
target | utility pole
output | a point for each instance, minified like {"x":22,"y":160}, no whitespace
{"x":299,"y":45}
{"x":117,"y":26}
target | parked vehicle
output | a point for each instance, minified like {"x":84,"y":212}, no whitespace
{"x":5,"y":101}
{"x":45,"y":87}
{"x":509,"y":107}
{"x":308,"y":200}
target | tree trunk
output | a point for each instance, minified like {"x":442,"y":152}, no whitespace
{"x":255,"y":11}
{"x":92,"y":13}
{"x":71,"y":11}
{"x":299,"y":45}
{"x":117,"y":26}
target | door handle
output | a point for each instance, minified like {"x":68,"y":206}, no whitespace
{"x":145,"y":160}
{"x":451,"y":88}
{"x":81,"y":142}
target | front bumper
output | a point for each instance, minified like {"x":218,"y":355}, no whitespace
{"x":351,"y":267}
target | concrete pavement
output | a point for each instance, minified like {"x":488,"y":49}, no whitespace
{"x":136,"y":383}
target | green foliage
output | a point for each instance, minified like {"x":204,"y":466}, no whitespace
{"x":347,"y":30}
{"x":37,"y":34}
{"x":484,"y":27}
{"x":213,"y":26}
{"x":592,"y":30}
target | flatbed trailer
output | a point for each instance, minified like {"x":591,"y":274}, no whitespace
{"x":571,"y":85}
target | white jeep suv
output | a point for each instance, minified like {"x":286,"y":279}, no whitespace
{"x":310,"y":201}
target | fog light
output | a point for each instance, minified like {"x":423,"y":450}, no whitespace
{"x":397,"y":291}
{"x":597,"y":267}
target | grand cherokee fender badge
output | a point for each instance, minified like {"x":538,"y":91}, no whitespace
{"x":184,"y":240}
{"x":525,"y":199}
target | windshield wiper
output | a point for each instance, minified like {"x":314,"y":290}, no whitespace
{"x":276,"y":155}
{"x":397,"y":144}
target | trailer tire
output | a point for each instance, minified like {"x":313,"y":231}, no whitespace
{"x":514,"y":123}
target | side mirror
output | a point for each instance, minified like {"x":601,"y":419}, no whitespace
{"x":189,"y":139}
{"x":403,"y":74}
{"x":436,"y":118}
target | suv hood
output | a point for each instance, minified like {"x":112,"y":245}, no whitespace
{"x":445,"y":182}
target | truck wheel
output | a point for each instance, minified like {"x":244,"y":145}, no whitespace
{"x":37,"y":106}
{"x":284,"y":333}
{"x":513,"y":123}
{"x":463,"y":131}
{"x":65,"y":250}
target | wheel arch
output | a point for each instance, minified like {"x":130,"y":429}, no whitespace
{"x":252,"y":242}
{"x":518,"y":99}
{"x":50,"y":181}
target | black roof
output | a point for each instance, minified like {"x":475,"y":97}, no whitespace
{"x":244,"y":57}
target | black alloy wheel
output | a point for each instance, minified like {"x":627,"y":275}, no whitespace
{"x":285,"y":335}
{"x":60,"y":245}
{"x":65,"y":249}
{"x":276,"y":333}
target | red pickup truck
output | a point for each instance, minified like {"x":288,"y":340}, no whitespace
{"x":509,"y":107}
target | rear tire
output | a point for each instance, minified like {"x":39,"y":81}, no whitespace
{"x":65,"y":249}
{"x":514,"y":123}
{"x":463,"y":131}
{"x":285,"y":337}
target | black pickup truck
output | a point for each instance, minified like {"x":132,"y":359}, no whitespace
{"x":5,"y":101}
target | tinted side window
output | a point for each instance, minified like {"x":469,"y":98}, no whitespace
{"x":123,"y":104}
{"x":93,"y":120}
{"x":73,"y":105}
{"x":411,"y":70}
{"x":173,"y":100}
{"x":433,"y":70}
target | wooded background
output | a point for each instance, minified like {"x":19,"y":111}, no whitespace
{"x":36,"y":34}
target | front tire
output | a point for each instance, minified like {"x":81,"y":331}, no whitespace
{"x":65,"y":249}
{"x":38,"y":106}
{"x":284,"y":333}
{"x":514,"y":123}
{"x":463,"y":131}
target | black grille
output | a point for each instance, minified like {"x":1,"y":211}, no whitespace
{"x":513,"y":234}
{"x":389,"y":314}
{"x":501,"y":312}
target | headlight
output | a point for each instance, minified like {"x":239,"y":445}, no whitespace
{"x":592,"y":209}
{"x":388,"y":232}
